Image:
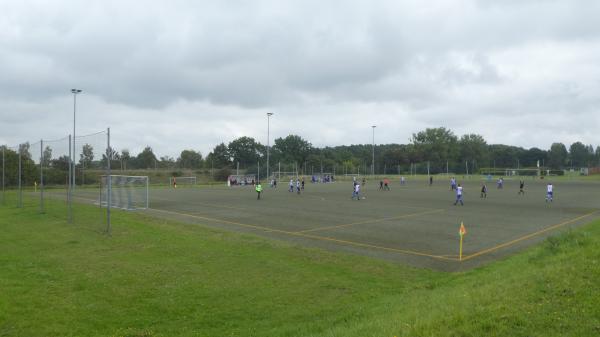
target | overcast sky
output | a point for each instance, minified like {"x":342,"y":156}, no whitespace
{"x":190,"y":74}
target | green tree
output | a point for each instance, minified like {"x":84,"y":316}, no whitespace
{"x":531,"y":157}
{"x":189,"y":159}
{"x":244,"y":150}
{"x":87,"y":156}
{"x":61,"y":163}
{"x":292,"y":149}
{"x":47,"y":156}
{"x":219,"y":157}
{"x":146,"y":159}
{"x":167,"y":162}
{"x":125,"y":157}
{"x":474,"y":149}
{"x":578,"y":154}
{"x":437,"y":146}
{"x":557,"y":156}
{"x":24,"y":151}
{"x":505,"y":156}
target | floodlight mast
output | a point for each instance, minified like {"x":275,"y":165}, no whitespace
{"x":74,"y":92}
{"x":373,"y":159}
{"x":269,"y":114}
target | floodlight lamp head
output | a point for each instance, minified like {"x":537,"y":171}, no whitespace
{"x":75,"y":91}
{"x":269,"y":114}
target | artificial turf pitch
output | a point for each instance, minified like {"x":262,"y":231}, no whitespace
{"x":414,"y":223}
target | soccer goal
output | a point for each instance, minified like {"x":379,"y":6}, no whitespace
{"x":325,"y":177}
{"x":182,"y":181}
{"x":241,"y":179}
{"x":124,"y":192}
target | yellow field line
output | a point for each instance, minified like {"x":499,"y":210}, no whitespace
{"x":528,"y":236}
{"x":316,"y":237}
{"x":366,"y":245}
{"x":370,"y":221}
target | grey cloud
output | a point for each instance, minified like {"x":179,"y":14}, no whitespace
{"x":210,"y":70}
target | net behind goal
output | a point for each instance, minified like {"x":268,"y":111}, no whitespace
{"x":126,"y":192}
{"x":182,"y":181}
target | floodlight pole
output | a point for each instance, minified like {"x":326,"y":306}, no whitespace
{"x":74,"y":92}
{"x":269,"y":114}
{"x":69,"y":185}
{"x":373,"y":159}
{"x":41,"y":176}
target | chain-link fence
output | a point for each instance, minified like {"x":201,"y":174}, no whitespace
{"x":56,"y":176}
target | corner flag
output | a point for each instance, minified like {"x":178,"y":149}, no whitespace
{"x":462,"y":231}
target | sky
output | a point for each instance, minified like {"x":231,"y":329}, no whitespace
{"x":182,"y":74}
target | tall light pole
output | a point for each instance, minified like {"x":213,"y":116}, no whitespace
{"x":373,"y":161}
{"x":74,"y":92}
{"x":269,"y":114}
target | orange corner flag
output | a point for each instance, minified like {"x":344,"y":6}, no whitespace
{"x":462,"y":231}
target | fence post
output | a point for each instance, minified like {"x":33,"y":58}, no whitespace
{"x":3,"y":167}
{"x":20,"y":202}
{"x":109,"y":182}
{"x":41,"y":176}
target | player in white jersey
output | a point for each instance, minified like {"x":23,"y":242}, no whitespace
{"x":549,"y":192}
{"x":459,"y":192}
{"x":356,"y":192}
{"x":291,"y":185}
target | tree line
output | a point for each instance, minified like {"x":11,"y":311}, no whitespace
{"x":435,"y":149}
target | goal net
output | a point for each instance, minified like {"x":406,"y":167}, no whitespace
{"x":126,"y":192}
{"x":182,"y":181}
{"x":241,"y":179}
{"x":323,"y":178}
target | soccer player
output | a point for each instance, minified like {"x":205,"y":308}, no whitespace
{"x":402,"y":180}
{"x":459,"y":192}
{"x":291,"y":185}
{"x":549,"y":192}
{"x":174,"y":182}
{"x":356,"y":192}
{"x":381,"y":184}
{"x":258,"y":190}
{"x":483,"y":191}
{"x":500,"y":183}
{"x":386,"y":184}
{"x":298,"y":185}
{"x":452,"y":184}
{"x":430,"y":180}
{"x":521,"y":187}
{"x":303,"y":183}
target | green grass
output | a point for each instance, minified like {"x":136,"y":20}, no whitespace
{"x":161,"y":278}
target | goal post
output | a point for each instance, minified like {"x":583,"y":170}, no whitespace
{"x":126,"y":192}
{"x":182,"y":181}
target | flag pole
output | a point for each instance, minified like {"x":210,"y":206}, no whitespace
{"x":460,"y":248}
{"x":461,"y":232}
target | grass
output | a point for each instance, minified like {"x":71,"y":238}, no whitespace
{"x":162,"y":278}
